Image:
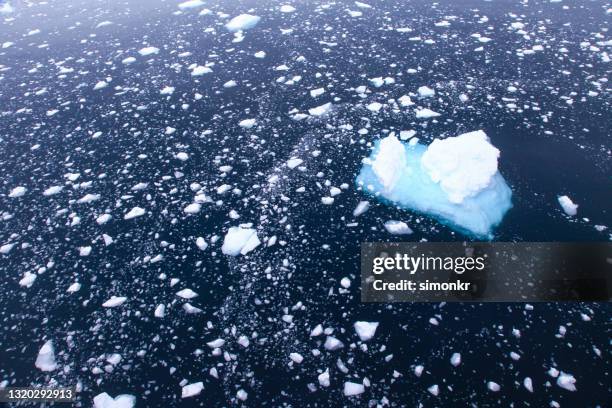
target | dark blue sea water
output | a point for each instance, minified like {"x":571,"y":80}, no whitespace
{"x":535,"y":77}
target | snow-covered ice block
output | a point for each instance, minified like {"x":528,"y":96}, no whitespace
{"x":454,"y":180}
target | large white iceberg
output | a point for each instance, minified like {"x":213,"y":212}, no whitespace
{"x":455,"y":180}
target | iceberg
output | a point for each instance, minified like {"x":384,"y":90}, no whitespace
{"x":454,"y":180}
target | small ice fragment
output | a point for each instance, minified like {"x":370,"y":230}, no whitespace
{"x":114,"y":301}
{"x":104,"y":400}
{"x":320,"y":110}
{"x":365,"y":330}
{"x":18,"y":191}
{"x":455,"y":359}
{"x":426,"y":113}
{"x":247,"y":123}
{"x":148,"y":51}
{"x":134,"y":212}
{"x":397,"y":228}
{"x":426,"y":92}
{"x":566,"y":381}
{"x":45,"y":361}
{"x":493,"y":386}
{"x":186,"y":294}
{"x":201,"y":243}
{"x":191,"y":390}
{"x":52,"y":190}
{"x":242,"y":22}
{"x":351,"y":388}
{"x":568,"y":205}
{"x":362,"y":207}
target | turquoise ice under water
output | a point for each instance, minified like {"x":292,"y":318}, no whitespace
{"x":476,"y":215}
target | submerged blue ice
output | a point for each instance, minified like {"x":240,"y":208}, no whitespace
{"x":463,"y":193}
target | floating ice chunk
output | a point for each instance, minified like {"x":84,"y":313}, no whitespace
{"x":528,"y":384}
{"x":160,"y":311}
{"x":418,"y":370}
{"x":294,"y":162}
{"x":200,"y":70}
{"x":389,"y":162}
{"x":192,"y":208}
{"x":52,"y":190}
{"x":104,"y":400}
{"x":296,"y":357}
{"x":397,"y":228}
{"x":458,"y":183}
{"x":6,"y":8}
{"x":242,"y":395}
{"x":190,"y":309}
{"x":182,"y":156}
{"x":167,"y":90}
{"x":568,"y":205}
{"x":88,"y":198}
{"x":425,"y":113}
{"x":201,"y":243}
{"x":286,"y":8}
{"x":324,"y":378}
{"x":103,"y":219}
{"x":242,"y":22}
{"x":84,"y":251}
{"x":327,"y":200}
{"x":405,"y":101}
{"x":128,"y":60}
{"x":240,"y":241}
{"x":332,"y":343}
{"x":434,"y":390}
{"x":148,"y":51}
{"x":75,"y":287}
{"x":6,"y":248}
{"x":218,"y":343}
{"x":362,"y":207}
{"x":114,"y":301}
{"x":455,"y":359}
{"x":45,"y":361}
{"x":100,"y":85}
{"x":191,"y":390}
{"x":493,"y":386}
{"x":351,"y":388}
{"x":18,"y":191}
{"x":28,"y":279}
{"x":134,"y":212}
{"x":320,"y":110}
{"x":374,"y":107}
{"x":566,"y":381}
{"x":365,"y":330}
{"x":190,"y":4}
{"x":186,"y":294}
{"x":462,"y":165}
{"x":426,"y":92}
{"x":317,"y":92}
{"x":247,"y":123}
{"x":260,"y":54}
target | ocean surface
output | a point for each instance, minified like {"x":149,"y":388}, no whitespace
{"x":94,"y":121}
